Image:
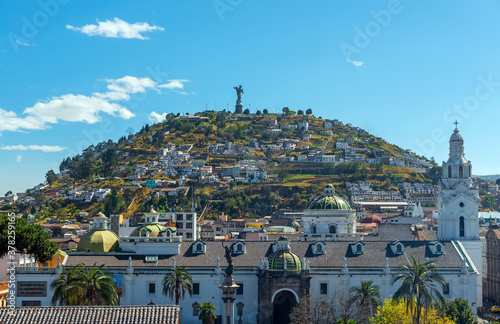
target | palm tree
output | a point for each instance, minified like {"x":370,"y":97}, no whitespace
{"x":176,"y":283}
{"x":64,"y":293}
{"x":367,"y":296}
{"x":94,"y":287}
{"x":207,"y":313}
{"x":418,"y":286}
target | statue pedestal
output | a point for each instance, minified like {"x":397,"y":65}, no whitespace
{"x":228,"y":296}
{"x":239,"y":108}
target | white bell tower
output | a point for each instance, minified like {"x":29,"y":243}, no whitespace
{"x":458,"y":199}
{"x":458,"y":203}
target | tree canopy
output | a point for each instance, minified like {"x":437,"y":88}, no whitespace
{"x":29,"y":238}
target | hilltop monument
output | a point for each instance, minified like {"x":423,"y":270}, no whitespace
{"x":239,"y":106}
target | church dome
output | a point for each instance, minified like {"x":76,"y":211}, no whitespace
{"x":277,"y":261}
{"x":456,"y":136}
{"x":154,"y":230}
{"x":98,"y":241}
{"x":329,"y":202}
{"x":372,"y":219}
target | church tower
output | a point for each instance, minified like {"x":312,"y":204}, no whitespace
{"x":458,"y":203}
{"x":458,"y":199}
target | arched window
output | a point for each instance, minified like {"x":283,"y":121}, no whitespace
{"x":399,"y":249}
{"x":313,"y":228}
{"x":143,"y":232}
{"x":168,"y":233}
{"x":462,"y":226}
{"x":195,"y":308}
{"x":319,"y":248}
{"x":239,"y":247}
{"x":460,"y":171}
{"x":438,"y":248}
{"x":198,"y":247}
{"x":449,"y":171}
{"x":358,"y":248}
{"x":332,"y":229}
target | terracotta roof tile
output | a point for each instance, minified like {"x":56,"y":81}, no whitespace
{"x":91,"y":314}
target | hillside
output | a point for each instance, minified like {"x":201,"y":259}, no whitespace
{"x":247,"y":165}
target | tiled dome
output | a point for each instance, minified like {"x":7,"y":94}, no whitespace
{"x":98,"y":241}
{"x":277,"y":261}
{"x":329,"y":202}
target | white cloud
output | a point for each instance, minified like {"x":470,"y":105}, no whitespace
{"x":174,"y":84}
{"x":116,"y":29}
{"x":357,"y":64}
{"x":75,"y":108}
{"x":155,"y":117}
{"x":19,"y":158}
{"x":43,"y":148}
{"x":82,"y":108}
{"x":24,"y":44}
{"x":120,"y":89}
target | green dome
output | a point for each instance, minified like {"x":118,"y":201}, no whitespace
{"x":98,"y":241}
{"x":154,"y":230}
{"x":329,"y":202}
{"x":278,"y":258}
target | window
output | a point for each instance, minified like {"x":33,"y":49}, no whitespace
{"x":462,"y":226}
{"x":198,"y":248}
{"x":239,"y":247}
{"x":460,"y":171}
{"x":358,"y":248}
{"x":195,"y":308}
{"x":313,"y":228}
{"x":399,"y":249}
{"x":462,"y":204}
{"x":449,"y":171}
{"x":189,"y":225}
{"x":180,"y":225}
{"x":152,"y":288}
{"x":319,"y":248}
{"x":438,"y":248}
{"x":143,"y":233}
{"x":323,"y":288}
{"x":239,"y":291}
{"x":196,"y":288}
{"x":31,"y":303}
{"x":446,"y":289}
{"x":333,"y":229}
{"x":239,"y":309}
{"x":179,"y":217}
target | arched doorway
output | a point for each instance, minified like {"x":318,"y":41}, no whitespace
{"x":283,"y":303}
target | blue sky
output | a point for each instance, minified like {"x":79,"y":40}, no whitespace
{"x":73,"y":73}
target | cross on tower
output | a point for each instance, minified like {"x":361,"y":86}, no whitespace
{"x":456,"y":124}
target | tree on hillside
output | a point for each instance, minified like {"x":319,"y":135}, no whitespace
{"x":50,"y":177}
{"x":258,"y":113}
{"x":265,"y":111}
{"x":246,"y":111}
{"x":31,"y":238}
{"x":309,"y":111}
{"x":300,"y":112}
{"x":285,"y":110}
{"x":418,"y":286}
